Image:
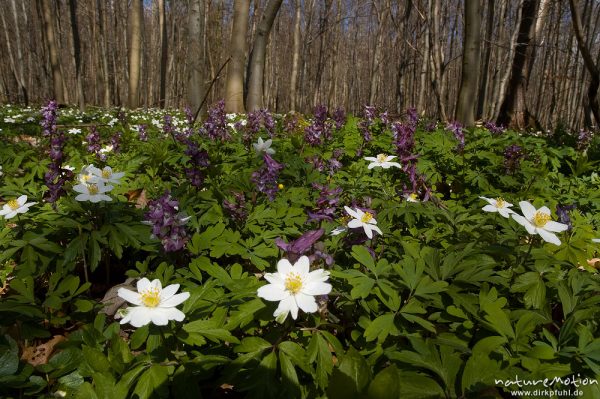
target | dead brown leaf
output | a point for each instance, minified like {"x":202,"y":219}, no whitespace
{"x":40,"y":354}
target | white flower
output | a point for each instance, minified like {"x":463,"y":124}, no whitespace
{"x":412,"y":197}
{"x":498,"y":205}
{"x":106,"y":149}
{"x":295,"y":287}
{"x":364,"y":220}
{"x":263,"y":146}
{"x":1,"y":173}
{"x":153,"y":303}
{"x":9,"y":120}
{"x":14,"y":206}
{"x":112,"y":122}
{"x":93,"y":192}
{"x":106,"y":174}
{"x":68,"y":167}
{"x":383,"y":161}
{"x":338,"y":230}
{"x":539,"y":222}
{"x":74,"y":131}
{"x":31,"y":119}
{"x":595,"y":239}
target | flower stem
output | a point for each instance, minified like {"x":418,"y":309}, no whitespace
{"x":528,"y":251}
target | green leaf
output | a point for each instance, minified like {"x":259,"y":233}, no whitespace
{"x":385,"y":385}
{"x":96,"y":359}
{"x":9,"y":359}
{"x":153,"y":383}
{"x":362,"y":255}
{"x":380,"y":328}
{"x":207,"y":329}
{"x":252,"y":344}
{"x":289,"y":375}
{"x":351,"y":378}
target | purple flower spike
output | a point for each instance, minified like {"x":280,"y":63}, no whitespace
{"x":168,"y":225}
{"x":301,"y":245}
{"x":265,"y":178}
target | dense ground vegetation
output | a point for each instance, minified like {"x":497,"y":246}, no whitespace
{"x":439,"y":298}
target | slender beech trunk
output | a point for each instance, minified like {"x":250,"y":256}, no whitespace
{"x":382,"y":14}
{"x":234,"y":92}
{"x":436,"y":58}
{"x":77,"y":54}
{"x":20,"y":63}
{"x":57,"y":77}
{"x":295,"y":55}
{"x":134,"y":25}
{"x":195,"y":57}
{"x":164,"y":43}
{"x":256,"y":64}
{"x":589,"y":62}
{"x":465,"y":112}
{"x":487,"y":46}
{"x":513,"y":111}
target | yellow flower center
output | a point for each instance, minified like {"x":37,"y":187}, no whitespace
{"x":413,"y":196}
{"x":500,"y":202}
{"x":381,"y":158}
{"x":151,"y":297}
{"x":85,"y":178}
{"x":540,"y":219}
{"x":93,"y":189}
{"x":106,"y":173}
{"x":13,"y":204}
{"x":280,"y":186}
{"x":366,"y":218}
{"x":293,"y":283}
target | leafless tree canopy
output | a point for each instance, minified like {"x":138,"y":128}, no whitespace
{"x":393,"y":54}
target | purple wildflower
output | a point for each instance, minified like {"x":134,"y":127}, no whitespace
{"x":93,"y":141}
{"x":142,"y":134}
{"x":584,"y":138}
{"x":339,"y":116}
{"x":167,"y":223}
{"x":197,"y":163}
{"x":459,"y":133}
{"x":265,"y":178}
{"x":237,"y":207}
{"x":56,"y":177}
{"x":215,"y":126}
{"x":320,"y":128}
{"x":326,"y":204}
{"x":513,"y":154}
{"x":563,"y":214}
{"x":300,"y":246}
{"x":115,"y":140}
{"x":493,"y":128}
{"x":371,"y":124}
{"x":49,"y":116}
{"x":258,"y":119}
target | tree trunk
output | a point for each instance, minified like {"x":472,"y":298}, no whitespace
{"x":164,"y":55}
{"x":436,"y":58}
{"x":20,"y":64}
{"x":256,"y":64}
{"x":234,"y":92}
{"x":483,"y":83}
{"x":195,"y":58}
{"x":590,"y":65}
{"x":513,"y":111}
{"x":382,"y":14}
{"x":77,"y":54}
{"x":57,"y":77}
{"x":295,"y":56}
{"x":134,"y":25}
{"x":465,"y":112}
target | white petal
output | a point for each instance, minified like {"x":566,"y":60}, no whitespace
{"x":157,"y":317}
{"x":372,"y":165}
{"x":138,"y":316}
{"x":130,"y":296}
{"x":390,"y":157}
{"x":143,"y":284}
{"x":352,"y":212}
{"x":286,"y":306}
{"x":368,"y":230}
{"x":317,"y":288}
{"x":595,"y":239}
{"x":505,"y":212}
{"x":156,"y":284}
{"x":524,"y":222}
{"x":10,"y":214}
{"x":274,"y":278}
{"x":373,"y":227}
{"x":548,"y":236}
{"x":168,"y":291}
{"x":272,"y":292}
{"x":22,"y":200}
{"x":489,"y":208}
{"x":316,"y":276}
{"x":555,"y":226}
{"x":306,"y":302}
{"x":488,"y":200}
{"x":396,"y":164}
{"x":175,"y":300}
{"x":371,"y":159}
{"x":545,"y":210}
{"x":284,"y":267}
{"x":302,"y":266}
{"x":527,"y":209}
{"x":354,"y":223}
